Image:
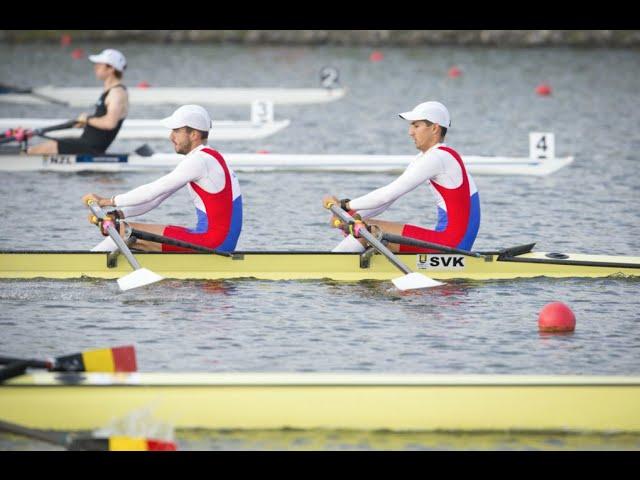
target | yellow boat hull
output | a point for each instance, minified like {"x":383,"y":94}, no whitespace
{"x":409,"y":402}
{"x":313,"y":265}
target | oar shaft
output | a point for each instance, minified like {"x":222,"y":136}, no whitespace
{"x":399,"y":239}
{"x":60,"y":126}
{"x":30,"y":362}
{"x":4,"y":88}
{"x":47,"y":98}
{"x":38,"y":131}
{"x":115,"y":236}
{"x":152,"y":237}
{"x":369,"y":237}
{"x":49,"y":437}
{"x":14,"y":369}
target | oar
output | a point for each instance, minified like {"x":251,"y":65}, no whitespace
{"x":115,"y":359}
{"x":152,"y":237}
{"x":4,"y":88}
{"x":140,"y":276}
{"x":399,"y":239}
{"x":13,"y":369}
{"x":76,"y":441}
{"x":10,"y":137}
{"x":411,"y":280}
{"x":59,"y":126}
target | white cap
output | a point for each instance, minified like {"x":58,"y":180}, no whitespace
{"x":193,"y":116}
{"x":112,"y":57}
{"x":435,"y":112}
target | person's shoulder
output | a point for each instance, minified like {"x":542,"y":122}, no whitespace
{"x":206,"y":154}
{"x":440,"y":155}
{"x":119,"y":89}
{"x":212,"y":154}
{"x":433,"y":152}
{"x":118,"y":93}
{"x":210,"y":150}
{"x":196,"y":159}
{"x":443,"y":150}
{"x":207,"y":151}
{"x":196,"y":154}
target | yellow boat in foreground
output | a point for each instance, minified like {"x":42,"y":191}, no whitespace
{"x":517,"y":262}
{"x":398,"y":402}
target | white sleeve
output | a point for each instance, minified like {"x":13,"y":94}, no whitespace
{"x":374,"y":212}
{"x":190,"y":169}
{"x":142,"y":208}
{"x":418,"y":172}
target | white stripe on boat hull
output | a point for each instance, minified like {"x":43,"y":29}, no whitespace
{"x":477,"y":165}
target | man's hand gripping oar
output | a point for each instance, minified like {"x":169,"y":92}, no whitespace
{"x":140,"y":276}
{"x":412,"y":280}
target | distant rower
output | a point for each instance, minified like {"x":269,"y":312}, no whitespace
{"x":101,"y":128}
{"x":438,"y":167}
{"x":213,"y":187}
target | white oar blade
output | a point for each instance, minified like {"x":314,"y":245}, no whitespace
{"x":138,"y":278}
{"x":415,"y":280}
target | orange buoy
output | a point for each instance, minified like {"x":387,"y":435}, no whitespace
{"x":77,"y":54}
{"x":556,"y":317}
{"x":65,"y":40}
{"x":143,"y":84}
{"x":376,"y":56}
{"x":454,"y":72}
{"x":543,"y":89}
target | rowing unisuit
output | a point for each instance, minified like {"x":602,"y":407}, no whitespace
{"x":443,"y":171}
{"x":214,"y":190}
{"x":96,"y":139}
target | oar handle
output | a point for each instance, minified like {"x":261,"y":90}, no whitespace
{"x":368,"y":236}
{"x":115,"y":236}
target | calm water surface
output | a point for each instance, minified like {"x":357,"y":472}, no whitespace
{"x":318,"y":326}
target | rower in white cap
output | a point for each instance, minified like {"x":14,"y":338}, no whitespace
{"x":438,"y":167}
{"x":101,"y":128}
{"x":213,"y":187}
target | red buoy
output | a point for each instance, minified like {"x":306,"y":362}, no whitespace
{"x":262,"y":151}
{"x":556,"y":317}
{"x":77,"y":54}
{"x":543,"y":89}
{"x":376,"y":56}
{"x":143,"y":84}
{"x":454,"y":72}
{"x":65,"y":40}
